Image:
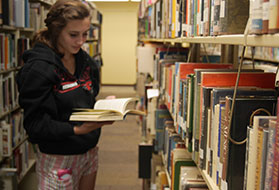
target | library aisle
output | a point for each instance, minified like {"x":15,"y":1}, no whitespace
{"x":118,"y":149}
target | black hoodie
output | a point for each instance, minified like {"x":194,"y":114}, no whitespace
{"x":48,"y":93}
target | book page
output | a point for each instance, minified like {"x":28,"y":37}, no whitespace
{"x":118,"y":104}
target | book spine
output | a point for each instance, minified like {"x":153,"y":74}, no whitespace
{"x":247,"y":158}
{"x":257,"y":21}
{"x":265,"y":16}
{"x":263,"y":159}
{"x":270,"y":155}
{"x":273,"y":17}
{"x":275,"y":172}
{"x":259,"y":160}
{"x":226,"y":140}
{"x":216,"y":22}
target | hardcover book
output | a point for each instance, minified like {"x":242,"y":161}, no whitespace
{"x":180,"y":157}
{"x":107,"y":110}
{"x":270,"y":154}
{"x":161,"y":115}
{"x":234,"y":154}
{"x":233,"y":16}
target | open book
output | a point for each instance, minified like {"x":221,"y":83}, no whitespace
{"x":107,"y":110}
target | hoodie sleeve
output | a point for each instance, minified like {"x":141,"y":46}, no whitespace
{"x":35,"y":83}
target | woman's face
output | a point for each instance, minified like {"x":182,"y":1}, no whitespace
{"x":73,"y":36}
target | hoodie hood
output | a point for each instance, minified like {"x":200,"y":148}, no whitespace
{"x":41,"y":52}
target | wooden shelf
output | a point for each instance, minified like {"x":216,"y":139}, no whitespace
{"x":224,"y":39}
{"x":27,"y":30}
{"x":7,"y":28}
{"x":92,"y":40}
{"x":9,"y":111}
{"x":95,"y":23}
{"x":269,"y":40}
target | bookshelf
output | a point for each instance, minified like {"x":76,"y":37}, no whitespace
{"x":17,"y":156}
{"x":159,"y":25}
{"x":239,"y":39}
{"x":16,"y":31}
{"x":93,"y":43}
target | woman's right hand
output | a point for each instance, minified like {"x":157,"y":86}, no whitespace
{"x":89,"y":126}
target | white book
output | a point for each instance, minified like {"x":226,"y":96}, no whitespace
{"x":107,"y":110}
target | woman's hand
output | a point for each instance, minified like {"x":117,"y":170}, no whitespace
{"x":89,"y":126}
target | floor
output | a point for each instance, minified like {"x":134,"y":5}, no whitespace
{"x":118,"y":151}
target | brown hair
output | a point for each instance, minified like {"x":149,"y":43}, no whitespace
{"x":57,"y":18}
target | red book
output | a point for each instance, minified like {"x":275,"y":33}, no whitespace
{"x":188,"y":68}
{"x":257,"y":79}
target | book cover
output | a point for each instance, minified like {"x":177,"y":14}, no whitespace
{"x":207,"y":15}
{"x":161,"y":115}
{"x":216,"y":17}
{"x":173,"y":139}
{"x":190,"y":178}
{"x":5,"y":12}
{"x":256,"y":17}
{"x":190,"y":111}
{"x":275,"y":172}
{"x":204,"y":105}
{"x":273,"y":17}
{"x":257,"y":79}
{"x":233,"y":16}
{"x":20,"y":15}
{"x":6,"y":139}
{"x":270,"y":154}
{"x":265,"y":16}
{"x":107,"y":110}
{"x":252,"y":153}
{"x":234,"y":154}
{"x":180,"y":157}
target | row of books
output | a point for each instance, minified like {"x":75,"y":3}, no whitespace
{"x":178,"y":164}
{"x":37,"y":13}
{"x":8,"y":93}
{"x":187,"y":18}
{"x":197,"y":122}
{"x":192,"y":93}
{"x":97,"y":17}
{"x":264,"y":17}
{"x":92,"y":48}
{"x":263,"y":53}
{"x":12,"y":133}
{"x":260,"y":160}
{"x":14,"y":168}
{"x":22,"y":13}
{"x":7,"y":53}
{"x":15,"y":13}
{"x":10,"y":57}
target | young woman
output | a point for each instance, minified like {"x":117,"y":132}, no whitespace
{"x":57,"y":77}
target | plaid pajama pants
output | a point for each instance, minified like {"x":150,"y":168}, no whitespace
{"x":47,"y":167}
